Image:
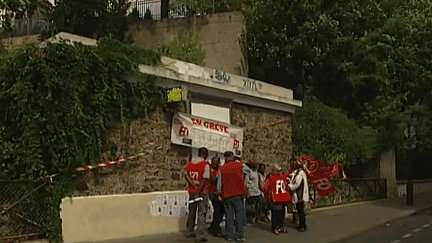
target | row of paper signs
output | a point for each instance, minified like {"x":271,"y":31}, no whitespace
{"x":173,"y":206}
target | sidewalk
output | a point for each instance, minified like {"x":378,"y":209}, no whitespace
{"x":325,"y":225}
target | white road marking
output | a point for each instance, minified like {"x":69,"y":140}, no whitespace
{"x":407,"y":235}
{"x":426,"y":225}
{"x":395,"y":241}
{"x":417,"y":230}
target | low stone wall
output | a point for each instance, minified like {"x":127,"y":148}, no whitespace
{"x":159,"y":170}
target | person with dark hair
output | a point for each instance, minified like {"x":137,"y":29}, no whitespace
{"x":197,"y":175}
{"x":291,"y":204}
{"x":264,"y":200}
{"x":232,"y":189}
{"x":218,"y":208}
{"x":277,"y":189}
{"x":299,"y":186}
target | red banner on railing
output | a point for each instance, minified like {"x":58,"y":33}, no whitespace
{"x":318,"y":173}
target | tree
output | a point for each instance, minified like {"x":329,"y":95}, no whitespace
{"x":327,"y":134}
{"x":91,"y":18}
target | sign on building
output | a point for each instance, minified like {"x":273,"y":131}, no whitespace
{"x":196,"y":132}
{"x":173,"y":94}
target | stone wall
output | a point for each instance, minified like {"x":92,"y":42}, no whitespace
{"x":267,"y":139}
{"x":268,"y":134}
{"x":159,"y":170}
{"x":219,"y":34}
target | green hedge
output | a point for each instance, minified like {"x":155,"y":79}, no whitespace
{"x":59,"y":101}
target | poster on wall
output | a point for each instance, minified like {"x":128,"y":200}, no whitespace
{"x":196,"y":132}
{"x":174,"y":206}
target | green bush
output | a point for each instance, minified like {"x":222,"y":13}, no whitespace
{"x":186,"y":48}
{"x":59,"y":101}
{"x":326,"y":133}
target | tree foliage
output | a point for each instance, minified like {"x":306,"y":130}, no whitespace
{"x":327,"y":134}
{"x":369,"y":58}
{"x":59,"y":101}
{"x":91,"y":18}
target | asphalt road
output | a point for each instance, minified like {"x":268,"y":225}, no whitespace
{"x":413,"y":229}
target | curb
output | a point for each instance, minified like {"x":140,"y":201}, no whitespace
{"x":404,"y":214}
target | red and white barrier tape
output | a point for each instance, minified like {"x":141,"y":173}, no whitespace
{"x":104,"y":164}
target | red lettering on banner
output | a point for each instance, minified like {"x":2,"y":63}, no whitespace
{"x":236,"y":143}
{"x":183,"y":131}
{"x":177,"y":121}
{"x":210,"y":125}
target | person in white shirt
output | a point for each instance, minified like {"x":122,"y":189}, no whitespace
{"x":300,"y":188}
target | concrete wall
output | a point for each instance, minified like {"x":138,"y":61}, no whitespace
{"x":388,"y":171}
{"x":219,"y":34}
{"x":13,"y":43}
{"x":419,"y":187}
{"x":116,"y":216}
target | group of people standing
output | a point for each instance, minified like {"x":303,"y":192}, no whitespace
{"x":243,"y":194}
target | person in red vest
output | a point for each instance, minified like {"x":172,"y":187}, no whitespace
{"x":197,"y":175}
{"x":218,"y":208}
{"x":232,"y":190}
{"x":278,"y":191}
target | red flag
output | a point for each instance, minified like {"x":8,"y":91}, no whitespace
{"x":316,"y":169}
{"x":318,"y":173}
{"x":323,"y":187}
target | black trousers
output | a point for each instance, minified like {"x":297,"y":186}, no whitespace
{"x":301,"y":214}
{"x":218,"y":213}
{"x":277,"y":216}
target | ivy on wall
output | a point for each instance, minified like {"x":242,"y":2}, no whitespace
{"x":58,"y":102}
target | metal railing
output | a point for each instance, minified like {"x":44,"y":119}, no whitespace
{"x":155,"y":8}
{"x":23,"y":212}
{"x":351,"y":190}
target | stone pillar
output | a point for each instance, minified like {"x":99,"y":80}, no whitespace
{"x":388,"y":171}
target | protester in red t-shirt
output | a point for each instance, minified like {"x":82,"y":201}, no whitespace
{"x":277,"y":190}
{"x":197,"y":175}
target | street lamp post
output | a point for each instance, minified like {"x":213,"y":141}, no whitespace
{"x":409,"y":145}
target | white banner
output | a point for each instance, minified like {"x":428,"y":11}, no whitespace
{"x":196,"y":132}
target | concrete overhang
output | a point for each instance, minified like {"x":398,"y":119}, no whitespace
{"x":70,"y":37}
{"x":221,"y":84}
{"x":209,"y":81}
